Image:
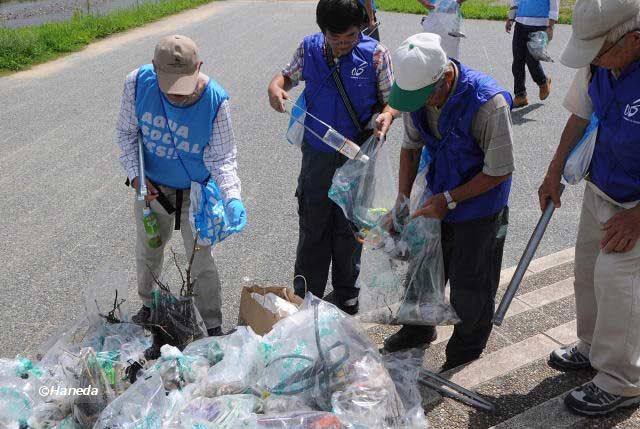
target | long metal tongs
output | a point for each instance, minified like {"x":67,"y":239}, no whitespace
{"x":142,"y":179}
{"x":454,"y":391}
{"x":527,"y":256}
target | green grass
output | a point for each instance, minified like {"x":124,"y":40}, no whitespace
{"x":23,"y":47}
{"x":472,"y":9}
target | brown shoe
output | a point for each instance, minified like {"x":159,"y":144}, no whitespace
{"x":545,"y":89}
{"x":520,"y":101}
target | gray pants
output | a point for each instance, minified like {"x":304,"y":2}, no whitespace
{"x":207,"y":284}
{"x":607,"y":287}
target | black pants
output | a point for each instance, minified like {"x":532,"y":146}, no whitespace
{"x":472,"y":254}
{"x":326,"y":236}
{"x":521,"y":56}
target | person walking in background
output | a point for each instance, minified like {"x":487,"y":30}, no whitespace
{"x":529,"y":16}
{"x":371,"y":29}
{"x":450,"y":44}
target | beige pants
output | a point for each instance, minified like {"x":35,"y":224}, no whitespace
{"x":607,"y":290}
{"x":207,"y":284}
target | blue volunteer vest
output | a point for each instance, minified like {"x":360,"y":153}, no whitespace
{"x":533,"y":8}
{"x":190,"y":126}
{"x":457,"y":157}
{"x":615,"y":166}
{"x":321,"y":94}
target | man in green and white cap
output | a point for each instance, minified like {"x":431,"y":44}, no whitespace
{"x":605,"y":47}
{"x":462,"y":117}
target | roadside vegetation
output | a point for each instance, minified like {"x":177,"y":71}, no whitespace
{"x":23,"y":47}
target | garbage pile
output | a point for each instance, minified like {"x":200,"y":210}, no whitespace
{"x":316,"y":368}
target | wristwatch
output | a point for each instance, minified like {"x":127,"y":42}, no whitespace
{"x":450,"y":203}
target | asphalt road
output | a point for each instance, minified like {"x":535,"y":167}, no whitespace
{"x":66,"y":215}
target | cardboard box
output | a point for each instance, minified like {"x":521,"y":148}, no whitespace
{"x":255,"y":315}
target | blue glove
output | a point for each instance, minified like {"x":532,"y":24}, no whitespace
{"x":236,"y":215}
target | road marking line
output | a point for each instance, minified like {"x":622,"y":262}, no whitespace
{"x":564,"y":334}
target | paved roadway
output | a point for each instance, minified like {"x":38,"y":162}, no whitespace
{"x":66,"y":214}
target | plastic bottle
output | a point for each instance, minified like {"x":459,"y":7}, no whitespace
{"x":150,"y":222}
{"x":344,"y":145}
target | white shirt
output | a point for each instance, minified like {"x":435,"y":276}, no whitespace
{"x":554,"y":10}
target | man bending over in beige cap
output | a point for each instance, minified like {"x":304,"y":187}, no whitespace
{"x":184,"y":121}
{"x":605,"y":46}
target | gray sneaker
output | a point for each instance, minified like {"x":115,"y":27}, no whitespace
{"x":569,"y":358}
{"x":590,"y":400}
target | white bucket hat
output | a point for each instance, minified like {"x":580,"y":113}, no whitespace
{"x":592,"y":21}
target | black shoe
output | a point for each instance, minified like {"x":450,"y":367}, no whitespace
{"x":590,"y":400}
{"x":351,"y":309}
{"x":569,"y":358}
{"x":142,"y":316}
{"x":215,"y":332}
{"x":409,"y":337}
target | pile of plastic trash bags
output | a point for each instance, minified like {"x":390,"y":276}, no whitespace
{"x":317,"y":369}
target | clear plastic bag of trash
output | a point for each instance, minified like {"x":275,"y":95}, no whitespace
{"x":178,"y":370}
{"x":369,"y":399}
{"x":223,"y":412}
{"x":579,"y":160}
{"x":142,"y":406}
{"x":537,"y":44}
{"x":366,"y":191}
{"x":20,"y":367}
{"x":98,"y":377}
{"x":18,"y":397}
{"x":298,"y":420}
{"x":279,"y":404}
{"x":175,"y":320}
{"x":402,"y":275}
{"x":316,"y":353}
{"x":404,"y":368}
{"x":228,"y":377}
{"x":446,"y":19}
{"x":208,"y":348}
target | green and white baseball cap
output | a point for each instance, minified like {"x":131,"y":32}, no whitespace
{"x":418,"y":64}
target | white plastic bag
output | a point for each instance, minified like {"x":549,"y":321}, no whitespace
{"x":447,"y":22}
{"x":579,"y":160}
{"x":274,"y":304}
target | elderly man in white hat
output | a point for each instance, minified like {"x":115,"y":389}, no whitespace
{"x":605,"y":46}
{"x":462,"y":117}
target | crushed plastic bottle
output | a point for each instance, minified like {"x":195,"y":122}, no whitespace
{"x":344,"y":145}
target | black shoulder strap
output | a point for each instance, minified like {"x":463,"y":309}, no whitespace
{"x":343,"y":93}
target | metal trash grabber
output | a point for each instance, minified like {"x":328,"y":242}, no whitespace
{"x":454,"y":391}
{"x":527,"y":256}
{"x":142,"y":182}
{"x":370,"y":31}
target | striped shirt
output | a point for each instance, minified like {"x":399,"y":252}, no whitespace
{"x":219,"y":155}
